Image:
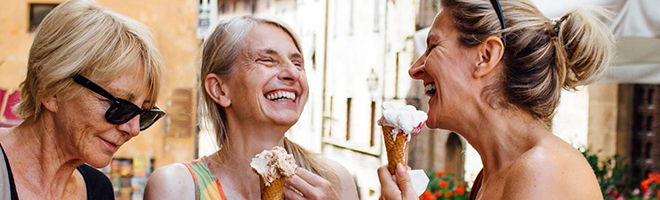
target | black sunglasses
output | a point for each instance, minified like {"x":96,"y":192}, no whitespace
{"x":121,"y":111}
{"x":498,"y":10}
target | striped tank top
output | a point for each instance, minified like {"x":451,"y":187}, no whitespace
{"x":208,"y":187}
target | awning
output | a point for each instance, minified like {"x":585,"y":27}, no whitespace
{"x":636,"y":26}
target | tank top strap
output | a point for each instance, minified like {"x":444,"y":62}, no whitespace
{"x":207,"y":186}
{"x":477,"y":185}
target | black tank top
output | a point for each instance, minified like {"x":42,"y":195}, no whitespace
{"x":97,"y":184}
{"x":477,"y":185}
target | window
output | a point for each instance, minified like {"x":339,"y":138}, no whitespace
{"x":645,"y":148}
{"x":372,"y":139}
{"x":348,"y":118}
{"x":37,"y":14}
{"x":224,"y":7}
{"x":396,"y":76}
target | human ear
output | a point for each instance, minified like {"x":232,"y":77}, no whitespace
{"x":217,"y":89}
{"x":490,"y":54}
{"x":50,"y":103}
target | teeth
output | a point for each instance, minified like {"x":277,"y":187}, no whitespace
{"x":429,"y":89}
{"x":281,"y":96}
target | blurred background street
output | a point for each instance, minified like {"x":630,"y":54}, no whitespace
{"x":357,"y":56}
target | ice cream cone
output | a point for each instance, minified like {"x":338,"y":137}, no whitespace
{"x":397,"y":150}
{"x":274,"y":191}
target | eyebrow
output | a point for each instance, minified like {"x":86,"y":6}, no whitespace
{"x":121,"y":94}
{"x":275,"y":53}
{"x":432,"y":37}
{"x":267,"y":51}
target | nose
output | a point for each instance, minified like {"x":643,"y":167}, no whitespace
{"x":418,"y":70}
{"x":131,"y":127}
{"x":290,"y":72}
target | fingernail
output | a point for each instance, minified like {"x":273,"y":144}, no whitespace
{"x":400,"y":169}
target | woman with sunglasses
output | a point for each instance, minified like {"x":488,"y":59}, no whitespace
{"x":494,"y":75}
{"x":253,"y":89}
{"x":92,"y":82}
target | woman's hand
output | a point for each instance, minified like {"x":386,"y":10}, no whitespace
{"x":309,"y":186}
{"x":400,"y":189}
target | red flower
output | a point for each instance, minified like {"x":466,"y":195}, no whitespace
{"x":654,"y":176}
{"x":439,"y":173}
{"x":438,"y":193}
{"x":443,"y":184}
{"x":449,"y":194}
{"x":427,"y":195}
{"x":460,"y":189}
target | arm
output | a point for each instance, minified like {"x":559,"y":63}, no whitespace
{"x":172,"y":181}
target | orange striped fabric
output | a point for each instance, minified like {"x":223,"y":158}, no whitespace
{"x":208,"y":187}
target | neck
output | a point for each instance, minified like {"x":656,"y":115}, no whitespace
{"x":39,"y":156}
{"x":501,"y":135}
{"x":244,"y":140}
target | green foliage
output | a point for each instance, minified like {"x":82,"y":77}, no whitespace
{"x":445,"y":186}
{"x":615,"y":177}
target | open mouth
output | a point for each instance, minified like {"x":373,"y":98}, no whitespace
{"x":429,"y":89}
{"x":280,"y":95}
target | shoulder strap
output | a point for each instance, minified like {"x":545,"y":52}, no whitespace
{"x":97,"y":184}
{"x":189,"y":166}
{"x":7,"y":185}
{"x":477,"y":185}
{"x":208,"y":187}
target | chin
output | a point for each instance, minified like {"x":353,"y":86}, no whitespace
{"x":431,"y":124}
{"x":286,"y":122}
{"x":98,"y":161}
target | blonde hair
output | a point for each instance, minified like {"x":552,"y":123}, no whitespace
{"x":80,"y":36}
{"x":541,"y":55}
{"x":219,"y":53}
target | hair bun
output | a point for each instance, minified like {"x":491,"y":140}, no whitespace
{"x":583,"y":47}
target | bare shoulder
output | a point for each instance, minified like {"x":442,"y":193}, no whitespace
{"x":346,"y":189}
{"x":551,"y":170}
{"x":172,"y":181}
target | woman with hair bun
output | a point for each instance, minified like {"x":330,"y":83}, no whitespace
{"x":494,"y":73}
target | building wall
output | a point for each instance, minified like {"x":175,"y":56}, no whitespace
{"x":362,"y":36}
{"x":571,"y":121}
{"x":173,"y":24}
{"x":603,"y":115}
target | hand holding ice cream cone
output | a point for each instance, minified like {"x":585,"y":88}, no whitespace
{"x":398,"y":126}
{"x":273,"y":167}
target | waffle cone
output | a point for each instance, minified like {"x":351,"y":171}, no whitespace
{"x":274,"y":191}
{"x":397,"y":150}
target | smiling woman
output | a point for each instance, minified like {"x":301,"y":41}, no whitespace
{"x":92,"y":83}
{"x":495,"y":77}
{"x":253,"y":88}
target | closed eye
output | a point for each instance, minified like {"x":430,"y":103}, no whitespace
{"x":430,"y":48}
{"x":265,"y":60}
{"x":298,"y":64}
